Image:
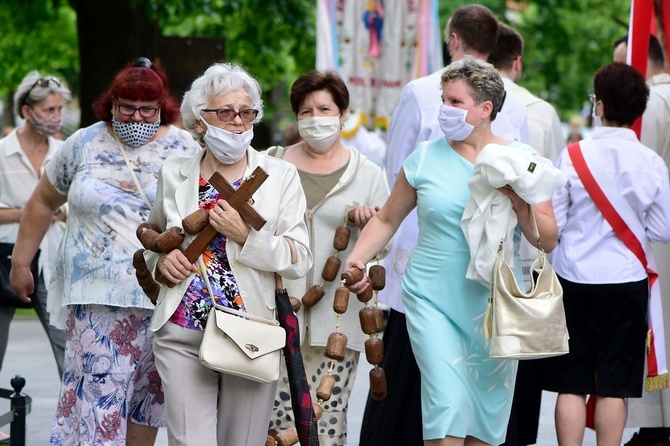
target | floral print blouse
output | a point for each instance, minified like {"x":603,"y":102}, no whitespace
{"x":105,"y":210}
{"x":194,"y":308}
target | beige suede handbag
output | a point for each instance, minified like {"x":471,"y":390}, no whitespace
{"x":527,"y":325}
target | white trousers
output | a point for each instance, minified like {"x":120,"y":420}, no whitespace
{"x":205,"y":407}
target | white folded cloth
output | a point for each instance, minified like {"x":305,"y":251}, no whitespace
{"x":488,"y":214}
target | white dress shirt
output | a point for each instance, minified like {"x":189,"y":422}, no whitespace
{"x":588,"y":250}
{"x":18,"y":179}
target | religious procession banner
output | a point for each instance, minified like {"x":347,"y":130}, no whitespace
{"x":378,"y":47}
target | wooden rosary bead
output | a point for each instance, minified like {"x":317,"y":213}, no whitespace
{"x":140,"y":229}
{"x":152,"y":292}
{"x":142,"y":272}
{"x":160,"y":278}
{"x":318,"y":410}
{"x":325,"y":388}
{"x":377,"y":275}
{"x":138,"y":259}
{"x":144,"y":278}
{"x":331,"y":268}
{"x":295,"y":304}
{"x":148,"y":239}
{"x":313,"y":296}
{"x":377,"y":380}
{"x":287,"y":437}
{"x":372,"y":320}
{"x":374,"y":350}
{"x":195,"y":221}
{"x":352,"y":275}
{"x":341,"y":301}
{"x":351,"y":216}
{"x":377,"y":396}
{"x":170,"y":239}
{"x":341,"y":240}
{"x":366,"y":295}
{"x":336,"y":346}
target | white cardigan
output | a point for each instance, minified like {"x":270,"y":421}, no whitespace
{"x":281,"y":202}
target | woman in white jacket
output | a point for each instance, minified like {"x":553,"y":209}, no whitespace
{"x":336,"y":180}
{"x":203,"y":406}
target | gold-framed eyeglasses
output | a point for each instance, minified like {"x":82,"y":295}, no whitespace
{"x":42,"y":83}
{"x":228,"y":115}
{"x":129,"y":110}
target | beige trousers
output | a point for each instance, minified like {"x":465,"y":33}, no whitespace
{"x":204,"y":407}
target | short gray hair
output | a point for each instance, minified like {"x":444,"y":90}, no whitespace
{"x":29,"y":94}
{"x":220,"y":78}
{"x":483,"y":79}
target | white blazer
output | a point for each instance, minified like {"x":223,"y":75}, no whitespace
{"x":281,"y":202}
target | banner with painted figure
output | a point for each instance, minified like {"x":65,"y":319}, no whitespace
{"x":378,"y":47}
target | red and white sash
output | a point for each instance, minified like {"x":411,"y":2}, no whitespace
{"x":618,"y":213}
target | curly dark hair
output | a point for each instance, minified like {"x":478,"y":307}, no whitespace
{"x":623,"y":92}
{"x":140,"y":80}
{"x":317,"y":80}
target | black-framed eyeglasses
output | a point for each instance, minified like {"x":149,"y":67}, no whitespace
{"x":42,"y":83}
{"x":228,"y":115}
{"x":129,"y":110}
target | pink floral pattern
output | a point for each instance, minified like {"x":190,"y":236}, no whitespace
{"x":110,"y":377}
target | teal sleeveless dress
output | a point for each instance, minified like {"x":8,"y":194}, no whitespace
{"x":463,"y":392}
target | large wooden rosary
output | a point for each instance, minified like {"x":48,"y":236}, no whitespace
{"x":371,"y":319}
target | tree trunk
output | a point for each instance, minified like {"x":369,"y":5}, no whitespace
{"x":111,"y":34}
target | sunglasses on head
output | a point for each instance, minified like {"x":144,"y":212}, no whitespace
{"x":42,"y":83}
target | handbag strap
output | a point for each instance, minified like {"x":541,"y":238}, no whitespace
{"x":139,"y":187}
{"x":243,"y":314}
{"x":536,"y":231}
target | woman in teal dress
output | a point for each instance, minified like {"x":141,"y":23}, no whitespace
{"x":466,"y":397}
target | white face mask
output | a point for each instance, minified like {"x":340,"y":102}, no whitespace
{"x":320,"y":132}
{"x":453,"y":124}
{"x":135,"y":134}
{"x":597,"y":120}
{"x":227,"y":147}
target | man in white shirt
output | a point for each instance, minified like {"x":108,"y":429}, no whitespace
{"x":653,"y":409}
{"x":472,"y":30}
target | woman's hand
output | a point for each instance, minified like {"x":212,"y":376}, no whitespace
{"x":227,"y":221}
{"x":175,"y":267}
{"x":22,"y":281}
{"x":361,"y":285}
{"x":519,"y":206}
{"x":363,"y":214}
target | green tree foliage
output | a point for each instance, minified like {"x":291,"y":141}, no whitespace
{"x":37,"y":35}
{"x":566,"y":41}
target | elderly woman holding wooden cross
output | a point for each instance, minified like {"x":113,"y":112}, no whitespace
{"x":237,"y":268}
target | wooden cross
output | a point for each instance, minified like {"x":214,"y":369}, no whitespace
{"x":239,"y":200}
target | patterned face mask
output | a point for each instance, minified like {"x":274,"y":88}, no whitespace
{"x":45,"y":127}
{"x":135,"y":134}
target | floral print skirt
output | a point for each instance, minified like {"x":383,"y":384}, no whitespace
{"x":109,"y":376}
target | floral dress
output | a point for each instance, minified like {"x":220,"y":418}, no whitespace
{"x":109,"y":375}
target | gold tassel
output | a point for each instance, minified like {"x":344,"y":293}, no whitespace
{"x":655,"y":383}
{"x":648,"y":341}
{"x":487,"y":319}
